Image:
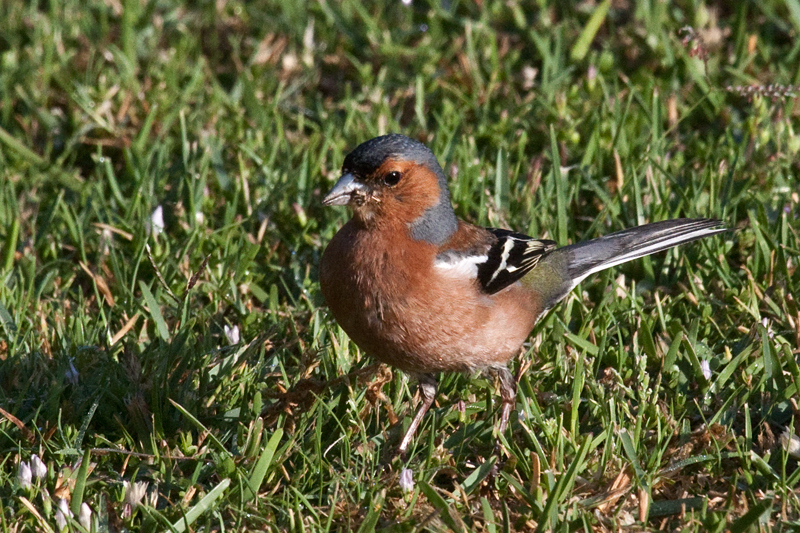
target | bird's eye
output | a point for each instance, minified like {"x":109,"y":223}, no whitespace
{"x":392,"y":178}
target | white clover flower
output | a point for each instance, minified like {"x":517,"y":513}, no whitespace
{"x":62,"y":513}
{"x":706,"y":369}
{"x":791,"y":443}
{"x":407,"y":480}
{"x":85,"y":516}
{"x":152,"y":497}
{"x":134,"y":492}
{"x":232,"y":334}
{"x":157,"y":221}
{"x":38,"y":467}
{"x":72,"y":373}
{"x":24,"y":475}
{"x":768,"y":326}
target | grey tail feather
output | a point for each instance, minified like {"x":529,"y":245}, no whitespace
{"x":585,"y":258}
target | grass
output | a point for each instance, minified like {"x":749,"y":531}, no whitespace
{"x":660,"y":395}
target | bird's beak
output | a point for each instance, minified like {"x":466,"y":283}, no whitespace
{"x":345,"y":190}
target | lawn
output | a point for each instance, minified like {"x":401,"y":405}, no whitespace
{"x":167,"y":362}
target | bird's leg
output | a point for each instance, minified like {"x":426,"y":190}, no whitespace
{"x":508,"y":393}
{"x":427,"y":388}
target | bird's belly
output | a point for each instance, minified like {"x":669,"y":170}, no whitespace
{"x":437,"y":330}
{"x":416,"y":318}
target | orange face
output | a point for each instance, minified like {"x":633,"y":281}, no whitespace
{"x":406,"y":189}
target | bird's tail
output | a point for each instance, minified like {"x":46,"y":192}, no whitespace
{"x":585,"y":258}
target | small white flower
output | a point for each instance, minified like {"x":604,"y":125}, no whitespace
{"x":24,"y":475}
{"x":407,"y":480}
{"x":289,"y":62}
{"x":706,"y":369}
{"x":768,"y":326}
{"x":72,"y":373}
{"x":62,"y":513}
{"x":461,"y":406}
{"x":407,"y":2}
{"x":106,"y":237}
{"x":232,"y":334}
{"x":85,"y":516}
{"x":134,"y":492}
{"x":791,"y":443}
{"x":157,"y":221}
{"x":152,"y":497}
{"x":529,"y":74}
{"x":38,"y":467}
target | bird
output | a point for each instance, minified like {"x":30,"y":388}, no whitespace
{"x":422,"y":291}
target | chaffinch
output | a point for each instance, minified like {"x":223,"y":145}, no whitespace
{"x":425,"y":292}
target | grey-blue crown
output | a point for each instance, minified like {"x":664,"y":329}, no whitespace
{"x":369,"y":155}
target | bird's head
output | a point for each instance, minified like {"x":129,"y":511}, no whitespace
{"x":396,"y":178}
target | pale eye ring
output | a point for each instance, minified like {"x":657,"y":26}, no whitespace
{"x":392,"y":178}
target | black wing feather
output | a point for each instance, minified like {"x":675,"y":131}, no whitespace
{"x":511,"y":257}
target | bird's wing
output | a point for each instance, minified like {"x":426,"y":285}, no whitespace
{"x":510,"y":257}
{"x":495,"y":258}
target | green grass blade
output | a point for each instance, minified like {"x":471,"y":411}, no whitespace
{"x":206,"y":504}
{"x":440,"y":505}
{"x":581,"y":46}
{"x":80,"y":483}
{"x":477,"y":476}
{"x":563,"y":486}
{"x":262,"y":465}
{"x":373,"y":514}
{"x":559,"y":175}
{"x":751,"y":517}
{"x":155,"y":311}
